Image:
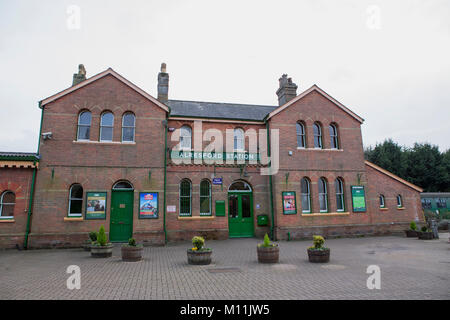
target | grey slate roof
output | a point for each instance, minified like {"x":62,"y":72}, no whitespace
{"x":218,"y":110}
{"x":19,"y":155}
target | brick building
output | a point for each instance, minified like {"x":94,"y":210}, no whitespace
{"x":164,"y":170}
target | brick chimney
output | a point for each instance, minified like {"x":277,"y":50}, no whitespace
{"x":287,"y":90}
{"x":80,"y":76}
{"x":163,"y":84}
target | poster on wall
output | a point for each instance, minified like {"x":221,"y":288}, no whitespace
{"x":148,"y":205}
{"x":358,"y":199}
{"x":96,"y":205}
{"x":289,"y":205}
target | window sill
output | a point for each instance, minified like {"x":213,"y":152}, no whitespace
{"x":7,"y":220}
{"x":71,"y":219}
{"x":196,"y":218}
{"x":103,"y":142}
{"x":384,"y":209}
{"x":319,"y":149}
{"x":325,"y":214}
{"x":401,"y":208}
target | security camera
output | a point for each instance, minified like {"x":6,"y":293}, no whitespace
{"x":47,"y":135}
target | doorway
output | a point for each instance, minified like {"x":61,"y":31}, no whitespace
{"x":240,"y":210}
{"x":121,"y":222}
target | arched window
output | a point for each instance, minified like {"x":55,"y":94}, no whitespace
{"x":323,"y":198}
{"x":317,"y":130}
{"x":399,"y":201}
{"x":185,"y":197}
{"x":339,"y":186}
{"x":106,"y":126}
{"x":301,"y":136}
{"x":186,"y":137}
{"x":334,"y":137}
{"x":84,"y":125}
{"x":7,"y":203}
{"x":123,"y":185}
{"x":75,"y":200}
{"x":239,"y":139}
{"x":382,"y":203}
{"x":205,"y":198}
{"x":239,"y":186}
{"x":128,"y":127}
{"x":306,"y":195}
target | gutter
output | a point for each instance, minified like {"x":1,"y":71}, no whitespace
{"x":272,"y":225}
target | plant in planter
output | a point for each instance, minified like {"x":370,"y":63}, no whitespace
{"x":132,"y":251}
{"x":198,"y":254}
{"x":268,"y":252}
{"x":318,"y":253}
{"x":412,"y":232}
{"x":101,"y":248}
{"x":425,"y":234}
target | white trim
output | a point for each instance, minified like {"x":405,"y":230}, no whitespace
{"x":326,"y":95}
{"x":100,"y":75}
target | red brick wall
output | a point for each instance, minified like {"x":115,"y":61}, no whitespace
{"x":96,"y":166}
{"x":17,"y":180}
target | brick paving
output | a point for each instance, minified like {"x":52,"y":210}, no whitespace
{"x":410,"y":269}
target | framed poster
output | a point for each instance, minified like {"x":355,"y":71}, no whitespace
{"x":289,"y":204}
{"x":148,"y":205}
{"x":95,"y":205}
{"x":358,"y":199}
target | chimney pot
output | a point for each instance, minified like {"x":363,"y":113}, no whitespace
{"x":287,"y":90}
{"x":163,"y":84}
{"x":80,"y":76}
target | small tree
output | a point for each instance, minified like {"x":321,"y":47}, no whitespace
{"x":413,"y":225}
{"x":102,"y":240}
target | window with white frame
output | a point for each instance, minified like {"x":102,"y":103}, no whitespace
{"x":75,"y":201}
{"x":7,"y":204}
{"x":239,"y":139}
{"x":317,"y":131}
{"x":186,"y":138}
{"x":334,"y":137}
{"x":382,"y":201}
{"x":106,"y":126}
{"x":399,"y":201}
{"x":128,"y":127}
{"x":323,"y":197}
{"x":301,"y":136}
{"x":84,"y":125}
{"x":305,"y":195}
{"x":339,"y":186}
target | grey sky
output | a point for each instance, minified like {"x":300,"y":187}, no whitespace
{"x":392,"y":69}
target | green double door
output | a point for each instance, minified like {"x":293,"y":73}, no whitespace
{"x":121,"y":225}
{"x":240,"y":214}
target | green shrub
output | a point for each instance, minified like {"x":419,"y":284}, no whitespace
{"x":413,"y":225}
{"x":318,"y":242}
{"x":93,"y":236}
{"x":424,"y":229}
{"x":102,"y":240}
{"x":266,"y":242}
{"x":198,"y":242}
{"x":132,"y":242}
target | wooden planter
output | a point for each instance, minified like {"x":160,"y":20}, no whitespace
{"x":199,"y":257}
{"x":268,"y":254}
{"x":411,"y":233}
{"x":319,"y":256}
{"x":101,"y":251}
{"x":132,"y":253}
{"x":425,"y":235}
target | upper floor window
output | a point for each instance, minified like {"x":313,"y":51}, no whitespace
{"x":317,"y":130}
{"x":323,"y":197}
{"x":334,"y":137}
{"x":186,"y":137}
{"x":239,"y":139}
{"x":84,"y":125}
{"x":106,"y":126}
{"x":306,"y":195}
{"x":128,"y":127}
{"x":382,"y":201}
{"x":339,"y":185}
{"x":301,"y":141}
{"x":7,"y":203}
{"x":185,"y":197}
{"x":399,"y":201}
{"x":205,"y":198}
{"x":75,"y":200}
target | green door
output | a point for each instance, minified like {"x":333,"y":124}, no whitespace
{"x":121,"y":226}
{"x":240,"y":214}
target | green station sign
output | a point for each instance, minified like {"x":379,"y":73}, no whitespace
{"x":222,"y":156}
{"x":358,"y":199}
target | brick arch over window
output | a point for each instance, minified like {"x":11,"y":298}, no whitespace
{"x":7,"y":204}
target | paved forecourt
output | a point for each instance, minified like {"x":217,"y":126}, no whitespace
{"x":410,"y":269}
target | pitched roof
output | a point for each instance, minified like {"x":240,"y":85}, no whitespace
{"x":98,"y":76}
{"x":326,"y":95}
{"x":393,"y":176}
{"x":218,"y":110}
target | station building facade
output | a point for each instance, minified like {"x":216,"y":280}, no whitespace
{"x":151,"y":168}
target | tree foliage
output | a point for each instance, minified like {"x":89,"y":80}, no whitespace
{"x":423,"y":164}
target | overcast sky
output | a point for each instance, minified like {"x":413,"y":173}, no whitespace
{"x":388,"y":61}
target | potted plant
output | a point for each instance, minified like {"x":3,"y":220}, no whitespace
{"x":198,"y":254}
{"x":318,"y":253}
{"x":92,"y":239}
{"x":425,"y":234}
{"x":101,"y":248}
{"x":412,"y":232}
{"x":268,"y":252}
{"x":132,"y":251}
